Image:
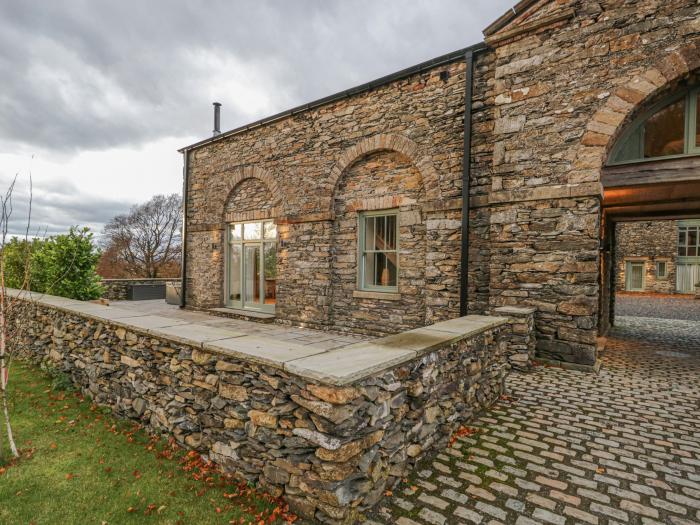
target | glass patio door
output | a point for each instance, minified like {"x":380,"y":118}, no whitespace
{"x":252,"y":266}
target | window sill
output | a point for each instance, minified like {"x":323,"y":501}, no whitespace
{"x":385,"y":296}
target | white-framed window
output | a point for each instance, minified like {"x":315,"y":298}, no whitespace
{"x":379,"y":251}
{"x":689,"y":241}
{"x":661,"y":270}
{"x":634,"y":276}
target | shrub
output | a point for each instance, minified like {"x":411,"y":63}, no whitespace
{"x":65,"y":265}
{"x":16,"y":254}
{"x":60,"y":265}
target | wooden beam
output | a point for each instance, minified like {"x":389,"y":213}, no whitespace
{"x":653,"y":172}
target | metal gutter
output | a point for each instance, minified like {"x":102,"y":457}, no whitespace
{"x":413,"y":70}
{"x":183,"y":259}
{"x":466,"y":175}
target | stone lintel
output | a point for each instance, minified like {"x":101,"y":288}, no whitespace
{"x":383,"y":296}
{"x":563,"y":191}
{"x":309,"y":217}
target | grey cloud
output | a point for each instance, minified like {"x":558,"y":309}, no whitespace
{"x":55,"y":207}
{"x":93,"y":75}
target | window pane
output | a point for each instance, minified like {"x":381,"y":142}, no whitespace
{"x":252,"y":273}
{"x":380,"y":269}
{"x":270,"y":230}
{"x":390,"y":232}
{"x":251,"y":231}
{"x":234,"y":282}
{"x":631,"y":148}
{"x":692,"y":237}
{"x":697,"y":120}
{"x":661,"y":269}
{"x":369,"y":233}
{"x":692,"y":251}
{"x":663,"y":131}
{"x":270,"y":265}
{"x":236,"y":232}
{"x":681,"y":237}
{"x":681,"y":251}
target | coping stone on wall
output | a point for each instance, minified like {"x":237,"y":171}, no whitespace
{"x":340,"y":366}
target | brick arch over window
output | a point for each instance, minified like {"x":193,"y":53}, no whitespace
{"x":258,"y":193}
{"x":608,"y":123}
{"x":387,"y":142}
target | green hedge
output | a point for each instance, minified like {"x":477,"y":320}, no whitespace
{"x":59,"y":265}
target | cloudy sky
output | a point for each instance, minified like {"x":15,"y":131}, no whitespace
{"x":97,"y":95}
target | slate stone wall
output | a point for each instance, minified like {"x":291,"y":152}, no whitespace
{"x":651,"y":242}
{"x":401,"y":142}
{"x":382,"y":180}
{"x":548,"y":105}
{"x":331,"y":451}
{"x":563,"y":93}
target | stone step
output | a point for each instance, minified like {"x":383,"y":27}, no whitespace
{"x":246,"y":315}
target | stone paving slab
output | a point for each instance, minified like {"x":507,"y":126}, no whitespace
{"x":567,"y":447}
{"x":148,"y":322}
{"x":201,"y":334}
{"x":262,"y":350}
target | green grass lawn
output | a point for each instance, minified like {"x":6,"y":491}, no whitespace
{"x":81,"y":465}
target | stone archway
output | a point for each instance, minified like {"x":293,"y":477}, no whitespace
{"x":636,"y":191}
{"x":376,"y":177}
{"x":387,"y":142}
{"x":268,"y":202}
{"x":621,"y":105}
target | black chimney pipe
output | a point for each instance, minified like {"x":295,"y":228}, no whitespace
{"x":217,"y":118}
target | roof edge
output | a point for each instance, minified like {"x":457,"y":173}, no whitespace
{"x":367,"y":86}
{"x":507,"y":17}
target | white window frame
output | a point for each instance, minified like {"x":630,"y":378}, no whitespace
{"x":362,"y":252}
{"x":659,"y":273}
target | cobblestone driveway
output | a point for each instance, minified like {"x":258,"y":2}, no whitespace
{"x":569,"y":447}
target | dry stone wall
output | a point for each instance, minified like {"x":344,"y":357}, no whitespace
{"x":332,"y":451}
{"x":650,"y":242}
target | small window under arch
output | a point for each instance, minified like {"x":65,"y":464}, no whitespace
{"x":669,"y":129}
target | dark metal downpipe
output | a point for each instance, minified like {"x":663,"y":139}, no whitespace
{"x":183,"y":257}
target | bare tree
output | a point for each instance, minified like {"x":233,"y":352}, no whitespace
{"x":147,"y":239}
{"x":10,"y":303}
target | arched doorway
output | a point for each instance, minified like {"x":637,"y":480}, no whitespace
{"x":250,"y":269}
{"x":651,"y":204}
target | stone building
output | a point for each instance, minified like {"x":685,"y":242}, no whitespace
{"x":657,"y":256}
{"x":357,"y":212}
